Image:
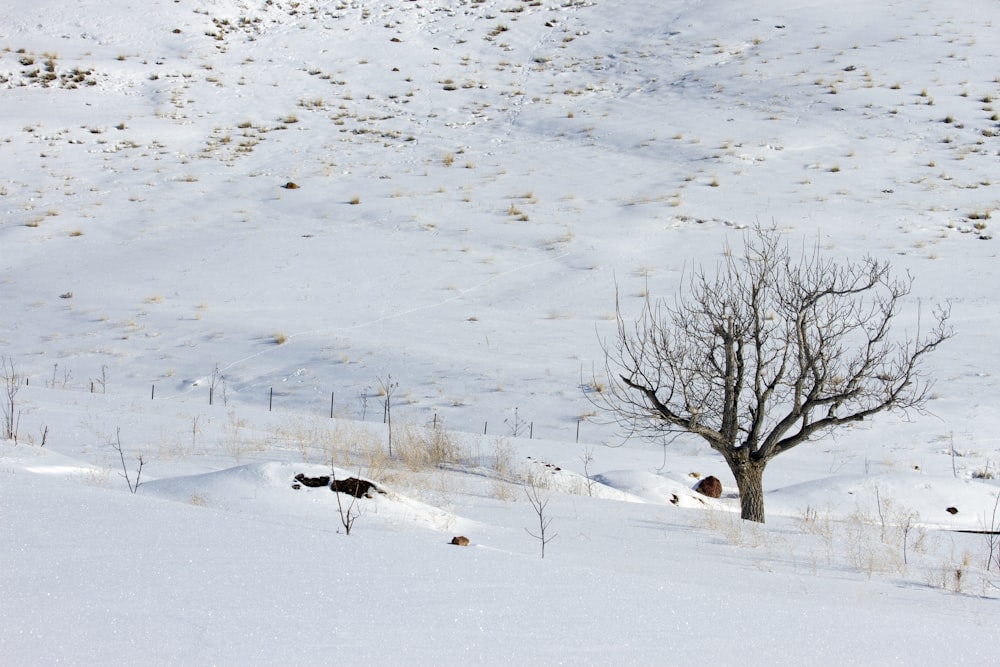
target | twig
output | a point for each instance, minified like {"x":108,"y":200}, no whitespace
{"x":993,"y":538}
{"x":588,"y":458}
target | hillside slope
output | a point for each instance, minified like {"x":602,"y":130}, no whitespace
{"x":291,"y":207}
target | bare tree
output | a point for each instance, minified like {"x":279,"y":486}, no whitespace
{"x":214,"y":381}
{"x":67,"y":374}
{"x":102,"y":381}
{"x":349,"y":514}
{"x":539,"y":502}
{"x":12,"y":381}
{"x":517,"y":425}
{"x":991,"y":529}
{"x":770,"y":352}
{"x":117,"y":446}
{"x":387,"y":387}
{"x":588,"y":458}
{"x":363,"y":397}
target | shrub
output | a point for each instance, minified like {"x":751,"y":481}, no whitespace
{"x":420,"y":448}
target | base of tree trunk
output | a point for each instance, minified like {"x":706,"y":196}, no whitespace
{"x":750,"y":481}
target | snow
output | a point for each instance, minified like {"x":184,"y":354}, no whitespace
{"x":475,"y":182}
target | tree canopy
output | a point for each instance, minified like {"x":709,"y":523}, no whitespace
{"x":768,"y":352}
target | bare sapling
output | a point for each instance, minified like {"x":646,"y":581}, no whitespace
{"x":349,"y":514}
{"x":588,"y":458}
{"x":101,"y":382}
{"x":539,"y":503}
{"x":12,"y":381}
{"x":906,"y":525}
{"x":363,"y":397}
{"x":55,"y":383}
{"x":991,"y":526}
{"x":881,"y":515}
{"x":215,"y":381}
{"x":517,"y":425}
{"x":387,"y":387}
{"x":117,"y":445}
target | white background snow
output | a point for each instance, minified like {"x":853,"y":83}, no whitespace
{"x":475,"y":181}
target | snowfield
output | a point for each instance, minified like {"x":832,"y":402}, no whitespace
{"x":233,"y":231}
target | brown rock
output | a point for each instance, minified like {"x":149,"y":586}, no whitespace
{"x":313,"y":482}
{"x":460,"y":540}
{"x":354,"y":486}
{"x":710,"y":486}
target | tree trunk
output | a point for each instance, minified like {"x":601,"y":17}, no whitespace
{"x":749,"y":478}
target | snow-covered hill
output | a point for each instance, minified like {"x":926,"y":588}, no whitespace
{"x":294,"y":205}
